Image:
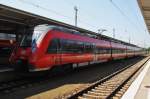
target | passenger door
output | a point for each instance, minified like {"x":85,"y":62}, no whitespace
{"x":58,"y":56}
{"x":54,"y":51}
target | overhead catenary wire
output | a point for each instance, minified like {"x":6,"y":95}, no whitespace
{"x":138,"y":21}
{"x":81,"y":13}
{"x":43,"y":8}
{"x":137,"y":18}
{"x":125,"y":16}
{"x":61,"y":14}
{"x":55,"y":12}
{"x":68,"y":2}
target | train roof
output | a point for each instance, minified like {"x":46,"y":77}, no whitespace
{"x":12,"y":19}
{"x":94,"y":35}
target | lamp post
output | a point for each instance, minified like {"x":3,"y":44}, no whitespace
{"x":76,"y":15}
{"x":114,"y":33}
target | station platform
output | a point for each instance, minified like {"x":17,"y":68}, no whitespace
{"x":4,"y":68}
{"x":5,"y":65}
{"x":140,"y":88}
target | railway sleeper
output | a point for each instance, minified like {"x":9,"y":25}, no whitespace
{"x":97,"y":94}
{"x":106,"y":89}
{"x":111,"y":85}
{"x":113,"y":81}
{"x":118,"y":95}
{"x":93,"y":96}
{"x":121,"y":92}
{"x":115,"y":97}
{"x":81,"y":97}
{"x":123,"y":89}
{"x":101,"y":91}
{"x":105,"y":86}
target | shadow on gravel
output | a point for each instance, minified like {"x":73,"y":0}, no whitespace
{"x":82,"y":75}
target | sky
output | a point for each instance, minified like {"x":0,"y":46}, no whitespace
{"x":122,"y":15}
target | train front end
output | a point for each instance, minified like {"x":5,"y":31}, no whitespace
{"x":26,"y":55}
{"x":21,"y":53}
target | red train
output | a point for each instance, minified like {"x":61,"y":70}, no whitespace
{"x":52,"y":46}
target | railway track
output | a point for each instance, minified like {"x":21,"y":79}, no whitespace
{"x":17,"y":84}
{"x":25,"y":82}
{"x":112,"y":86}
{"x":8,"y":86}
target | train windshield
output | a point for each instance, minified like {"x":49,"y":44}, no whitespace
{"x":26,"y":41}
{"x":39,"y":33}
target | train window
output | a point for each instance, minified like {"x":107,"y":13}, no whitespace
{"x":115,"y":51}
{"x":88,"y":47}
{"x":53,"y":46}
{"x":71,"y":46}
{"x":130,"y":51}
{"x":65,"y":46}
{"x":108,"y":51}
{"x":103,"y":50}
{"x":79,"y":47}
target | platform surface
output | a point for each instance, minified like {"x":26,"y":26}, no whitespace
{"x":144,"y":89}
{"x":5,"y":68}
{"x":140,"y":88}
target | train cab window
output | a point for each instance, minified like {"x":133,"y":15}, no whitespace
{"x":26,"y":41}
{"x":53,"y":46}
